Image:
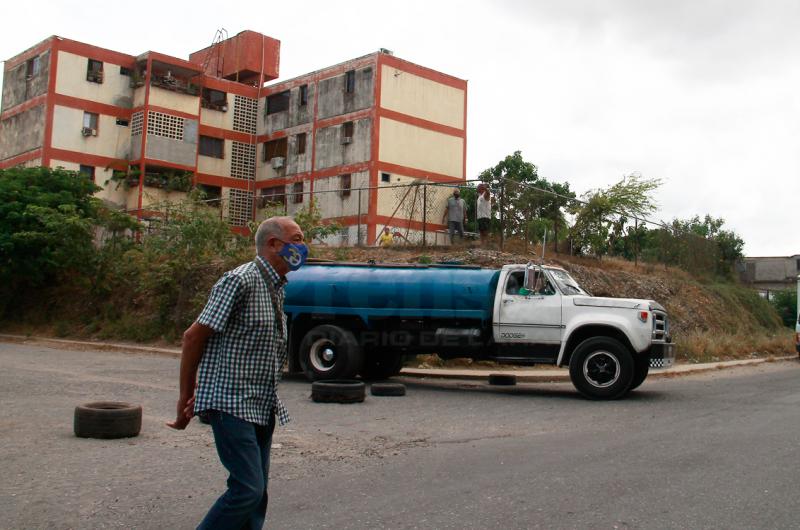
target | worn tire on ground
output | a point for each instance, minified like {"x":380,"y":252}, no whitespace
{"x":338,"y":391}
{"x":601,"y":368}
{"x":641,"y":367}
{"x":107,"y":419}
{"x":387,"y":389}
{"x":502,"y":379}
{"x":379,"y":366}
{"x":330,"y":352}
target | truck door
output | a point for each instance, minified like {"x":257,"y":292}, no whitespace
{"x":529,"y":316}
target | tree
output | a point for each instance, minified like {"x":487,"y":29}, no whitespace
{"x":785,"y":303}
{"x":601,"y":219}
{"x":523,"y":196}
{"x":47,"y":220}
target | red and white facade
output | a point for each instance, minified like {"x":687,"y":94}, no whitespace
{"x":372,"y":122}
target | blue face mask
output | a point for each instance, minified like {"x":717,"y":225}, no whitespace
{"x":294,"y":254}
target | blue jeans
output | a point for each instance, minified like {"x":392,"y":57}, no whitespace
{"x":243,"y":449}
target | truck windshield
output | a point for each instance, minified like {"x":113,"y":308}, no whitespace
{"x":565,"y":282}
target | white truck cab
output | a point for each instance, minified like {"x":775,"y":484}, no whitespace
{"x":607,"y":343}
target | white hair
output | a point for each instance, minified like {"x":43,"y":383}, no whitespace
{"x":272,"y":227}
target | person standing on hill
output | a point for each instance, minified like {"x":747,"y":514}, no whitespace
{"x":455,"y":213}
{"x":484,"y":212}
{"x":239,"y":344}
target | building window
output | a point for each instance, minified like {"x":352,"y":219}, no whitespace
{"x":297,"y":190}
{"x":303,"y":95}
{"x":88,"y":171}
{"x":275,"y":149}
{"x":124,"y":71}
{"x":385,"y":177}
{"x":350,"y":81}
{"x":212,"y":195}
{"x":273,"y":195}
{"x":301,"y":144}
{"x":123,"y":122}
{"x":798,"y":265}
{"x":210,"y":146}
{"x":347,"y":132}
{"x":32,"y":67}
{"x":278,"y":102}
{"x":345,"y":184}
{"x":214,"y":99}
{"x":90,"y":124}
{"x":94,"y":71}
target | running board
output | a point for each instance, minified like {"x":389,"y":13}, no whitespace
{"x":528,"y":361}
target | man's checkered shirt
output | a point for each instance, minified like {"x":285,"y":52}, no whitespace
{"x":242,"y":361}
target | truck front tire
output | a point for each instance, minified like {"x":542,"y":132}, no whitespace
{"x":330,"y":352}
{"x":640,"y":370}
{"x":602,"y":368}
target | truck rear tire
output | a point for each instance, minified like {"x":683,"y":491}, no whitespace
{"x":330,"y":352}
{"x":602,"y":368}
{"x":378,"y":366}
{"x":640,"y":370}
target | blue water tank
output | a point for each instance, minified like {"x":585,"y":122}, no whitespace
{"x":409,"y":291}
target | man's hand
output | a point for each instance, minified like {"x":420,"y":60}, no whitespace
{"x":183,"y":414}
{"x":194,"y":340}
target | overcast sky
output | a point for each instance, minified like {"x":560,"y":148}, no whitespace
{"x":704,"y":94}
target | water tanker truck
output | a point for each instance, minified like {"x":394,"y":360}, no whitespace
{"x":348,"y":319}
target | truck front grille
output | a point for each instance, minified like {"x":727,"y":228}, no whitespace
{"x":660,"y":325}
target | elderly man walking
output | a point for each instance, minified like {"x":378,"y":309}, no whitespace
{"x":239,"y":345}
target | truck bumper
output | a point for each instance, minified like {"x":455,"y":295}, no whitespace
{"x":662,"y":355}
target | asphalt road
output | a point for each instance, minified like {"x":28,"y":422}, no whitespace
{"x":715,"y":450}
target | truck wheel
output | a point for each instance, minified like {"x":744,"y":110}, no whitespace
{"x":379,"y":366}
{"x":640,"y":370}
{"x":330,"y":352}
{"x":601,"y":368}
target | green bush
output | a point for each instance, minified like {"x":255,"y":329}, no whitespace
{"x":785,"y":303}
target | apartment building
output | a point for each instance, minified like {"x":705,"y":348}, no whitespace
{"x":147,"y":128}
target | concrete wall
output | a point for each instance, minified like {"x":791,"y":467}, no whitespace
{"x":112,"y":140}
{"x":334,"y":101}
{"x":115,"y":194}
{"x":71,"y":81}
{"x":333,"y":204}
{"x":410,"y":204}
{"x":332,"y":152}
{"x":17,"y":88}
{"x":174,"y":100}
{"x":176,"y":151}
{"x":216,"y":166}
{"x":772,"y":269}
{"x":218,"y":118}
{"x":411,"y":146}
{"x":422,"y":98}
{"x":22,"y":132}
{"x":295,"y":115}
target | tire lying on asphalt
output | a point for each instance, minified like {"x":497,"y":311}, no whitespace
{"x":107,"y":419}
{"x":387,"y":389}
{"x":502,"y":379}
{"x":338,"y":391}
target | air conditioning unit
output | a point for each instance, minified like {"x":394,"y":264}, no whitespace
{"x":277,"y":162}
{"x":347,"y":139}
{"x":88,"y":131}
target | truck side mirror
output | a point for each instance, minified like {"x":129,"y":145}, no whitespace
{"x":531,"y":273}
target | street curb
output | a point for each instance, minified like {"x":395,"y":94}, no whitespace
{"x":102,"y":346}
{"x":523,"y":376}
